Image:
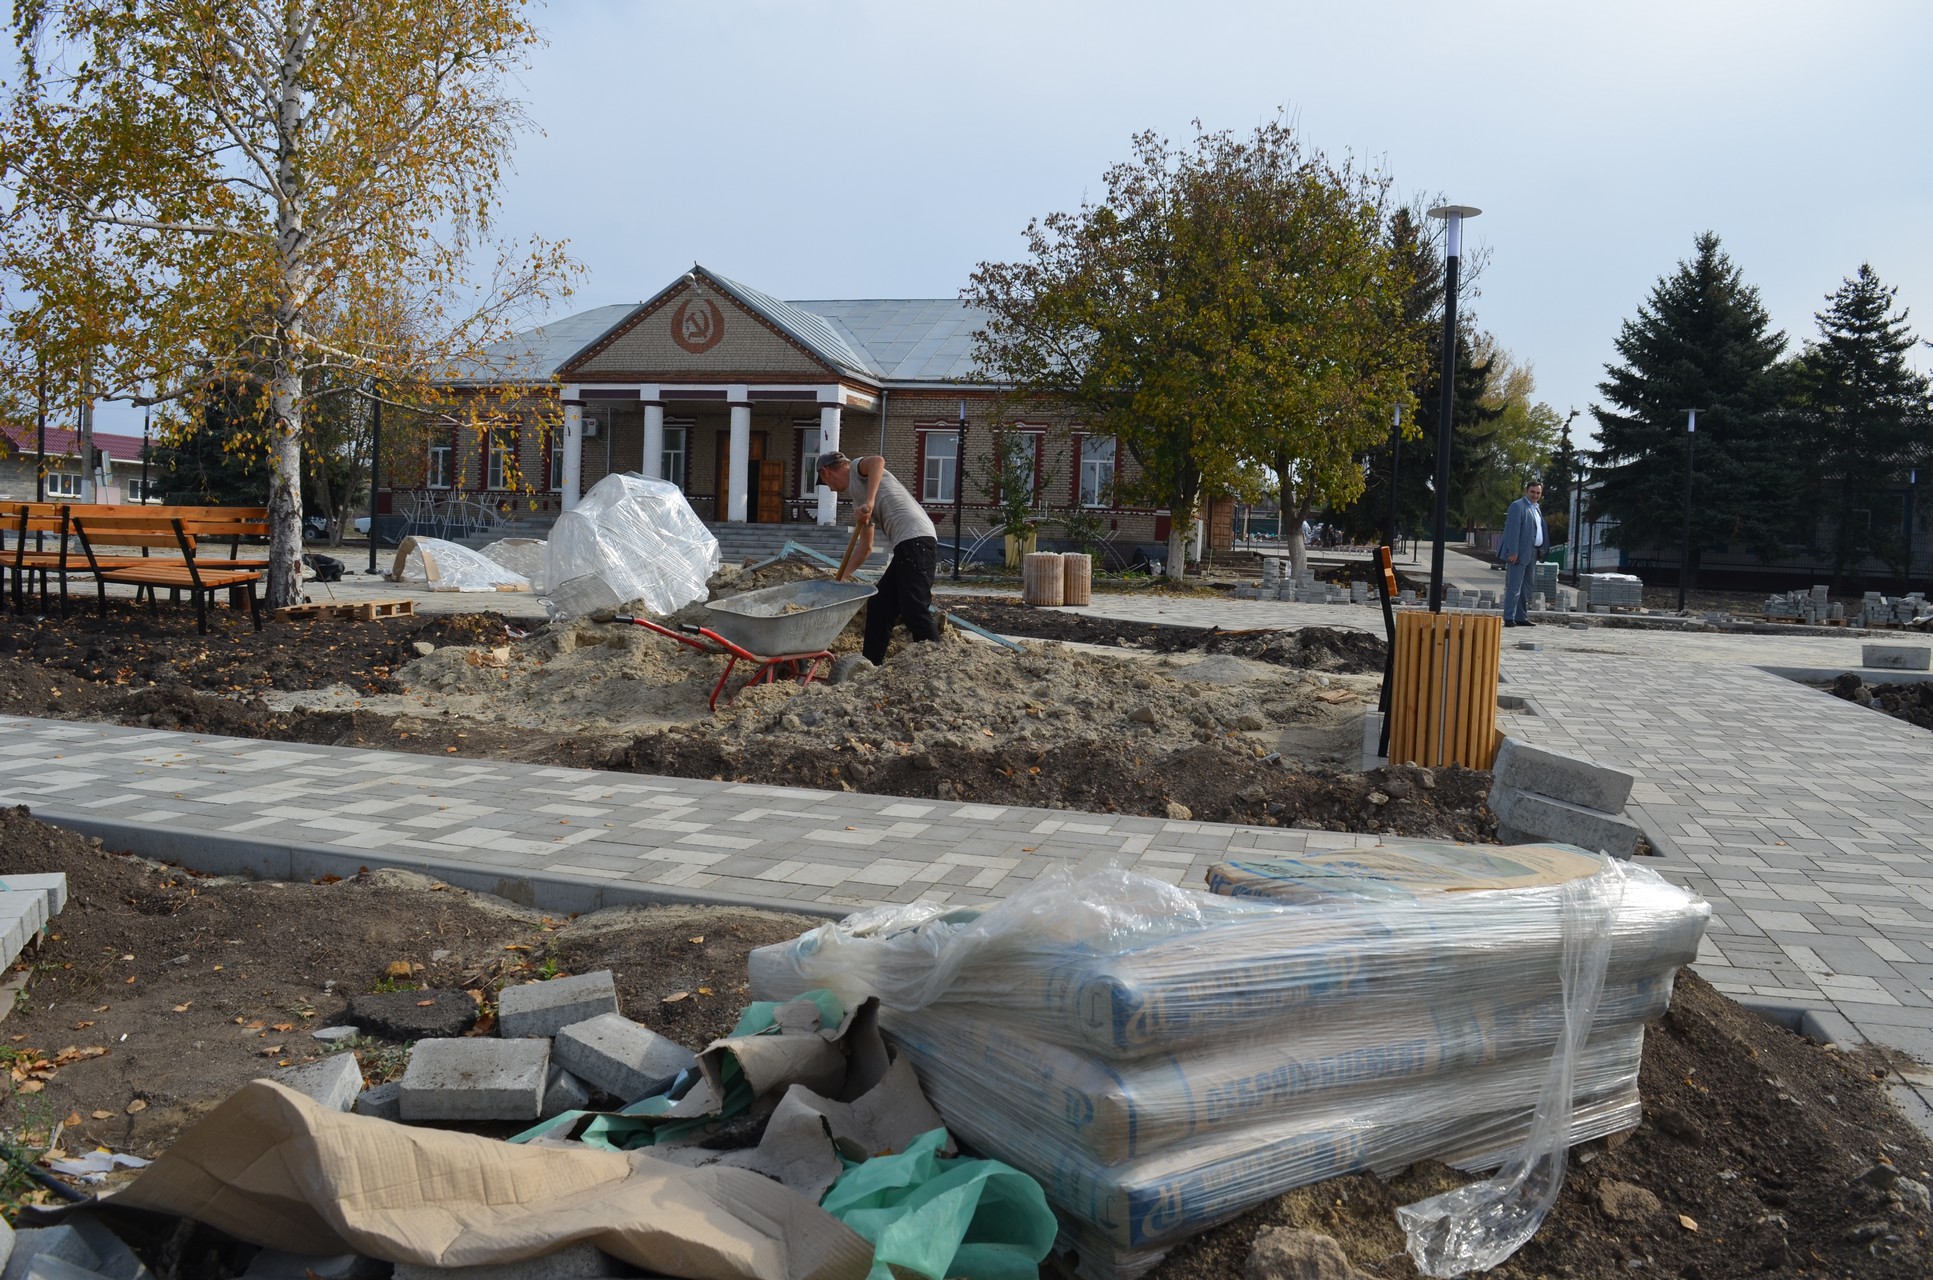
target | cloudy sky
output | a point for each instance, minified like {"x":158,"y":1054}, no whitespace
{"x":859,"y":148}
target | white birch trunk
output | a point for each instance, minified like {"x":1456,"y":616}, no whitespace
{"x":291,"y":240}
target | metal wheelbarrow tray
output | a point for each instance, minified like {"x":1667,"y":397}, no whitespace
{"x":755,"y":627}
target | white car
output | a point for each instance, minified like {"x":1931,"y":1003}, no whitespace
{"x":361,"y":524}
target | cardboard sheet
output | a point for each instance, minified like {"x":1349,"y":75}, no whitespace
{"x":272,"y":1167}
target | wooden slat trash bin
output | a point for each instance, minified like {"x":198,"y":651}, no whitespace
{"x":1443,"y":705}
{"x":1043,"y":579}
{"x":1077,"y":579}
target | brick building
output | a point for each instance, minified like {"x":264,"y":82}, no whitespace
{"x":730,"y":393}
{"x":117,"y":468}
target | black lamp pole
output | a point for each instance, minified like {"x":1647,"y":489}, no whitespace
{"x":375,"y":465}
{"x":147,"y":417}
{"x":1912,"y":488}
{"x":959,"y":487}
{"x":1395,"y":465}
{"x":1453,"y":216}
{"x":1684,"y":568}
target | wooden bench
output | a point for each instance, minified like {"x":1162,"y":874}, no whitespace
{"x":43,"y":548}
{"x":182,"y":572}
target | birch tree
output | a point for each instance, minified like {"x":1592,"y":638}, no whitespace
{"x":269,"y":190}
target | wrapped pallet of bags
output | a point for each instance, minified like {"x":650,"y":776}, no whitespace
{"x":1162,"y":1059}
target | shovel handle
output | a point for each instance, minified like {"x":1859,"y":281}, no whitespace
{"x":846,"y":567}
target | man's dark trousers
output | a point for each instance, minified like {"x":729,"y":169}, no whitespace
{"x":905,"y":595}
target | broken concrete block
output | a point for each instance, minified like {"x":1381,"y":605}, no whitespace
{"x":47,"y":1267}
{"x":333,"y":1082}
{"x":383,"y":1101}
{"x":51,"y":884}
{"x":1545,"y":820}
{"x":61,"y":1244}
{"x":403,"y":1015}
{"x":1561,"y":776}
{"x":117,"y":1261}
{"x":335,"y":1035}
{"x":1896,"y":657}
{"x":577,"y":1262}
{"x":564,"y":1092}
{"x":476,"y":1079}
{"x":620,"y":1057}
{"x":545,"y":1008}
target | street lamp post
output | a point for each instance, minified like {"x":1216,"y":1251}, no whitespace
{"x":147,"y":415}
{"x":959,"y":487}
{"x":1912,"y":489}
{"x":375,"y":464}
{"x":1684,"y":568}
{"x":1395,"y":463}
{"x":1453,"y":216}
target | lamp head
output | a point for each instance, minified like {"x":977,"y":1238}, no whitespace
{"x":1453,"y":216}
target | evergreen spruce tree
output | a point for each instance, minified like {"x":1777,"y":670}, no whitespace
{"x":1865,"y":420}
{"x":1701,"y":341}
{"x":1559,"y":478}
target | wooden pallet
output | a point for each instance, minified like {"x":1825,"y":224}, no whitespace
{"x":364,"y":611}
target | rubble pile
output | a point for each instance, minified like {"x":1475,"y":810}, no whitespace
{"x":1162,"y":1060}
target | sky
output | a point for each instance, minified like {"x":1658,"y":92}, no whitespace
{"x":862,"y":149}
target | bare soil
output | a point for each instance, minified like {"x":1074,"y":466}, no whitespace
{"x":157,"y":992}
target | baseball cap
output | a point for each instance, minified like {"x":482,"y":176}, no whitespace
{"x":831,"y":458}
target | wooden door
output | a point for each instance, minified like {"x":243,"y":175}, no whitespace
{"x":769,"y":508}
{"x":724,"y":474}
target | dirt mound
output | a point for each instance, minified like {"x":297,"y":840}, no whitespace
{"x":195,"y":985}
{"x":1307,"y":648}
{"x":1760,"y":1154}
{"x":1912,"y":703}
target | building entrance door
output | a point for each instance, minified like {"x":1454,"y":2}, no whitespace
{"x":755,"y":505}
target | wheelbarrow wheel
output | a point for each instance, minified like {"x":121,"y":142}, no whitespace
{"x":845,"y":667}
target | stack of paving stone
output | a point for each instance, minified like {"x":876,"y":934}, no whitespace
{"x":559,"y":1044}
{"x":1877,"y":610}
{"x":1603,"y":592}
{"x":1813,"y":607}
{"x":1542,"y":796}
{"x":1162,"y":1059}
{"x":27,"y":903}
{"x":1543,"y":580}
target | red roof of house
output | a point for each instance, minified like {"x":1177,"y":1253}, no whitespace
{"x":64,"y":442}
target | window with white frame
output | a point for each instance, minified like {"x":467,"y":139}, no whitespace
{"x":139,"y":490}
{"x":557,"y":459}
{"x":808,"y":458}
{"x":1025,"y":458}
{"x":63,"y":484}
{"x":940,"y":473}
{"x":1097,"y":471}
{"x":500,"y":474}
{"x":439,"y":476}
{"x":675,"y":457}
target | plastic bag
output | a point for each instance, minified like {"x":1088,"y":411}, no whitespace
{"x":629,"y":538}
{"x":450,"y":566}
{"x":523,"y":556}
{"x":939,"y":1217}
{"x":1474,"y":1228}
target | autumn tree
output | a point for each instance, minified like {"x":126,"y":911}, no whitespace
{"x":1864,"y":420}
{"x":1222,"y":305}
{"x":1703,"y":341}
{"x":261,"y":190}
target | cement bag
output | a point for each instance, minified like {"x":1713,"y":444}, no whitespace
{"x":450,"y":566}
{"x":1116,"y":1110}
{"x":629,"y":539}
{"x":1122,"y":964}
{"x":1469,"y":1118}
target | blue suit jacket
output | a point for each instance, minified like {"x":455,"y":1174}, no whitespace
{"x":1520,"y":533}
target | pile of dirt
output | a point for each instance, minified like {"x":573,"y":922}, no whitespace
{"x":1912,"y":703}
{"x":1308,"y":648}
{"x":194,"y":985}
{"x":1760,"y":1154}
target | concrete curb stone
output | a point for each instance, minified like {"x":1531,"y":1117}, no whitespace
{"x":545,"y":1008}
{"x":475,"y":1079}
{"x":620,"y":1057}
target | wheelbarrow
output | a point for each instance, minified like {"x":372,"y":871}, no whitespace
{"x":784,"y":631}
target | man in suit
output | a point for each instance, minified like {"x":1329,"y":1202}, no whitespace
{"x":1522,"y":546}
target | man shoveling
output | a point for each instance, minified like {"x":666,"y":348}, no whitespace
{"x":906,"y":588}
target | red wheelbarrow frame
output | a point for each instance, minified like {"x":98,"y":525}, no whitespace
{"x":803,"y":667}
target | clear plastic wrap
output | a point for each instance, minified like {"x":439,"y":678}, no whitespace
{"x":628,"y":539}
{"x":521,"y":556}
{"x":1163,"y":1059}
{"x":450,"y":566}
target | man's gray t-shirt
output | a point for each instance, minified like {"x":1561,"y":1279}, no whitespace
{"x":896,"y":514}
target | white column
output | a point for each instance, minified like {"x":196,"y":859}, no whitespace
{"x":828,"y":439}
{"x":741,"y":461}
{"x":653,"y":467}
{"x":573,"y":453}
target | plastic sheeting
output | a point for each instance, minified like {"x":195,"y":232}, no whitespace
{"x":1163,"y":1059}
{"x":629,"y":539}
{"x":524,"y":556}
{"x":449,"y":566}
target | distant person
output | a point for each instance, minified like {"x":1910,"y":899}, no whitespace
{"x":906,"y":588}
{"x":1521,"y":547}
